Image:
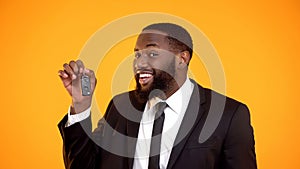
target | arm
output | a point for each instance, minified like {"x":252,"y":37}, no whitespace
{"x":79,"y":149}
{"x":81,"y":146}
{"x":239,"y":150}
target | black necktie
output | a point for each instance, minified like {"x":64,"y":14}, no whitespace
{"x":156,"y":136}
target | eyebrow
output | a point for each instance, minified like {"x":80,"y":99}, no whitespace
{"x":148,"y":45}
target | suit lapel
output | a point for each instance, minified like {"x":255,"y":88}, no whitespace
{"x":192,"y":116}
{"x":136,"y":111}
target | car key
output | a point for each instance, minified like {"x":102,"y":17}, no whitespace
{"x":85,"y":85}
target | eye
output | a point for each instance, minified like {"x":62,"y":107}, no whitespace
{"x":137,"y":54}
{"x":153,"y":54}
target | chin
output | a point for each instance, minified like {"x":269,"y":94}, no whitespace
{"x":143,"y":91}
{"x":146,"y":87}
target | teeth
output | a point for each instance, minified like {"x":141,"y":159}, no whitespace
{"x":145,"y":75}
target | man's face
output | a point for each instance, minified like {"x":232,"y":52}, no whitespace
{"x":154,"y":64}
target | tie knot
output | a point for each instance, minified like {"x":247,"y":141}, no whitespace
{"x":160,"y":107}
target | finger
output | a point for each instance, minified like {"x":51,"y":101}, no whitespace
{"x":91,"y":74}
{"x":69,"y":71}
{"x":62,"y":74}
{"x":74,"y":67}
{"x":64,"y":77}
{"x":80,"y":66}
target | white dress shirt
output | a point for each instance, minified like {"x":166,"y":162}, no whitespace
{"x":177,"y":105}
{"x":74,"y":118}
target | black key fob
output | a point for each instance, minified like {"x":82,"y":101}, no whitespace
{"x":85,"y":85}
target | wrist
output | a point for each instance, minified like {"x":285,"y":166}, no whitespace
{"x":78,"y":107}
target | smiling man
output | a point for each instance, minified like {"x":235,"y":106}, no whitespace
{"x":159,"y":65}
{"x":158,"y":125}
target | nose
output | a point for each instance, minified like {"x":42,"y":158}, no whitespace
{"x":141,"y":62}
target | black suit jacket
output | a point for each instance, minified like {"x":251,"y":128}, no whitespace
{"x":215,"y":134}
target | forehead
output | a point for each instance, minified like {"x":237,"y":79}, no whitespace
{"x":152,"y":38}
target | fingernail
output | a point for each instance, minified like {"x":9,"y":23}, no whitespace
{"x":73,"y":76}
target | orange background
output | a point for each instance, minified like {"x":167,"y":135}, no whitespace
{"x":258,"y":43}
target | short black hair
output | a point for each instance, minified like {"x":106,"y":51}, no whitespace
{"x":179,"y":38}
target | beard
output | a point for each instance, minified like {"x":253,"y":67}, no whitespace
{"x":162,"y":83}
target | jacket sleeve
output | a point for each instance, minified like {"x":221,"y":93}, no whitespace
{"x":79,"y":150}
{"x":239,"y":144}
{"x":82,"y":147}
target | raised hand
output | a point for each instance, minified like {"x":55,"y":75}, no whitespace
{"x":71,"y":78}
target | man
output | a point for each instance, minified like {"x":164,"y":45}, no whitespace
{"x":160,"y":124}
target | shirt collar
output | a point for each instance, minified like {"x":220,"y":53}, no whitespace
{"x":175,"y":100}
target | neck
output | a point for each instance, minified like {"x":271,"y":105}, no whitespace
{"x":175,"y":86}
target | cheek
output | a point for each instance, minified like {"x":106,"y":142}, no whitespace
{"x":167,"y":65}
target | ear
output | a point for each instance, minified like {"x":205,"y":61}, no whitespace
{"x":184,"y":59}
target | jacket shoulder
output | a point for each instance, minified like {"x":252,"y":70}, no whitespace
{"x":221,"y":99}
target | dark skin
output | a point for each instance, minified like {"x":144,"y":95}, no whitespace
{"x":152,"y":51}
{"x":70,"y":76}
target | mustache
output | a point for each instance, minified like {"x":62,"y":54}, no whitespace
{"x":147,"y":71}
{"x":139,"y":71}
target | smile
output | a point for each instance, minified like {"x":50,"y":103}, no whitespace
{"x":145,"y":77}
